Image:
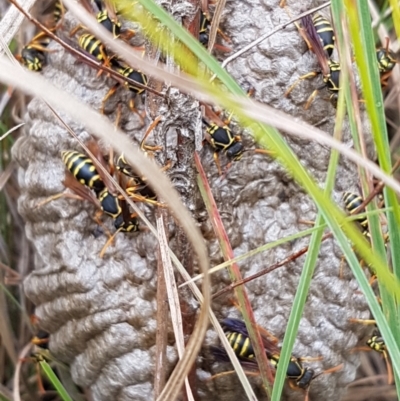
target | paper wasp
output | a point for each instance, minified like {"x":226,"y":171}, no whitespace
{"x":136,"y":185}
{"x":204,"y":28}
{"x":59,"y":11}
{"x":87,"y":181}
{"x":49,"y":371}
{"x":39,"y":352}
{"x":33,"y":54}
{"x":330,"y":70}
{"x":83,"y":170}
{"x":132,"y":74}
{"x":238,"y":337}
{"x":352,"y":202}
{"x":377,"y":343}
{"x":221,"y":138}
{"x":386,"y":62}
{"x":107,"y":17}
{"x":93,"y":46}
{"x":204,"y":32}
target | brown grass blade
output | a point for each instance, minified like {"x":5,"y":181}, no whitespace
{"x":244,"y":302}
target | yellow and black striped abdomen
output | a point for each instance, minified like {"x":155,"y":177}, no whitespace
{"x":240,"y":344}
{"x":58,"y":11}
{"x":112,"y":26}
{"x":325,"y":33}
{"x":92,"y":45}
{"x":352,"y":201}
{"x":83,"y":169}
{"x":377,"y":344}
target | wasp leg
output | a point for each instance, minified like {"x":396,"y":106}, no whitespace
{"x":264,"y":151}
{"x":133,"y":108}
{"x":222,"y":48}
{"x":341,"y":267}
{"x":310,"y":358}
{"x":224,"y":36}
{"x":226,"y":169}
{"x":385,"y":79}
{"x":167,"y":166}
{"x":228,"y":121}
{"x":216,"y":159}
{"x":118,"y":118}
{"x":131,"y":191}
{"x":41,"y":48}
{"x":229,"y":372}
{"x":128,"y":34}
{"x":107,"y":96}
{"x":106,"y":62}
{"x":311,"y":99}
{"x":372,"y":279}
{"x":57,"y":196}
{"x":108,"y":243}
{"x":307,"y":222}
{"x":302,"y":78}
{"x":98,"y":221}
{"x":143,"y":145}
{"x":73,"y":31}
{"x":363,"y":321}
{"x":60,"y":22}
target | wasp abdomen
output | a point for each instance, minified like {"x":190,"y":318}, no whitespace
{"x":240,"y":344}
{"x":83,"y":169}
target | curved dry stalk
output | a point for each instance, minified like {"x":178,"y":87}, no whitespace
{"x":99,"y":125}
{"x":173,"y":298}
{"x":17,"y":372}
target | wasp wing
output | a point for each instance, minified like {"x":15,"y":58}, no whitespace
{"x":84,"y":192}
{"x":99,"y":160}
{"x":311,"y":34}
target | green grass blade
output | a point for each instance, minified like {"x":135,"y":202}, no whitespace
{"x":235,"y":274}
{"x":364,"y":48}
{"x":396,"y":16}
{"x":54,"y":381}
{"x":308,"y":270}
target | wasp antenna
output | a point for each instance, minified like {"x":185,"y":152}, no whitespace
{"x":387,"y":45}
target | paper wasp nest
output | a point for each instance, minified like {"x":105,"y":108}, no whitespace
{"x":101,"y":312}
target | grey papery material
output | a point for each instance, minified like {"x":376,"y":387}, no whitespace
{"x":101,"y":312}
